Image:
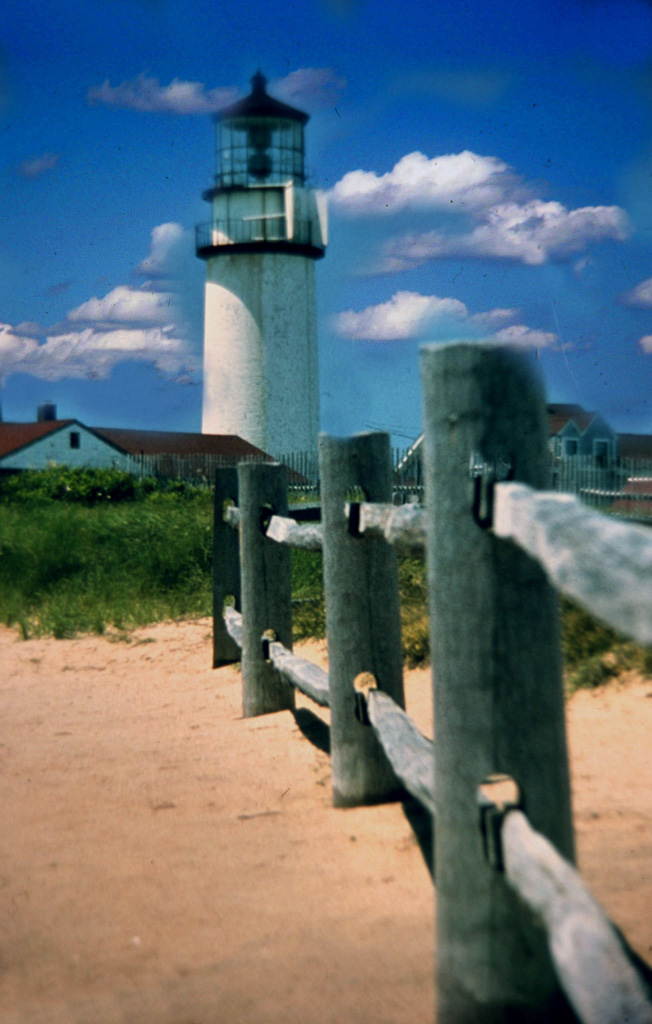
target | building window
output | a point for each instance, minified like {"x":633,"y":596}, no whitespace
{"x":570,"y":446}
{"x":602,"y":451}
{"x":75,"y":439}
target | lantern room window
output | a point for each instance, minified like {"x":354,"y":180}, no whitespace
{"x":259,"y":151}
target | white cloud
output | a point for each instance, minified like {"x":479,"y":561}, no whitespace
{"x":315,"y":87}
{"x":493,"y":317}
{"x":126,"y":305}
{"x":520,"y":336}
{"x":38,"y":165}
{"x":580,"y":265}
{"x":507,"y":221}
{"x":466,"y":179}
{"x":93,"y":354}
{"x":405,"y":315}
{"x":640,"y":296}
{"x":146,"y":94}
{"x":530,"y":233}
{"x":646,"y":344}
{"x":13,"y":347}
{"x":165,"y":237}
{"x":412,"y":315}
{"x":129,"y":323}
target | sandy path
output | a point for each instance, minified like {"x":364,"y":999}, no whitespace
{"x":163,"y":860}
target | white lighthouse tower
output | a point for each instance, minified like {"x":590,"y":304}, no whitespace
{"x":260,"y":327}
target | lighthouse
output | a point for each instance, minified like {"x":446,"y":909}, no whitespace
{"x":260,"y":322}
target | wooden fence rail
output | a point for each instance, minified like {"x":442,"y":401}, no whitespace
{"x":603,"y":563}
{"x":494,"y":550}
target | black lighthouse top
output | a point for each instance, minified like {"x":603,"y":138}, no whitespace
{"x":259,"y":141}
{"x":260,"y":104}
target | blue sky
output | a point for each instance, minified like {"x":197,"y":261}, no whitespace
{"x":488,"y":168}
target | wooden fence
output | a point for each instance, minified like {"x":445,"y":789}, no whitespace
{"x":519,"y":936}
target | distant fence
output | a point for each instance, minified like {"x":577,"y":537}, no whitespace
{"x":302,"y":466}
{"x":496,"y":777}
{"x":622,"y":487}
{"x":200,"y":468}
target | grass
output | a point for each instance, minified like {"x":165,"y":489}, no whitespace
{"x":88,"y":550}
{"x":593,"y":653}
{"x":67,"y":568}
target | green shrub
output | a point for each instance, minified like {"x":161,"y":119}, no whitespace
{"x":594,"y":653}
{"x":88,"y":486}
{"x":414,"y":611}
{"x":61,"y":483}
{"x":308,"y":605}
{"x":67,"y":568}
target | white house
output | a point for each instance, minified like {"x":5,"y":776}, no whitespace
{"x":66,"y":442}
{"x":69,"y":442}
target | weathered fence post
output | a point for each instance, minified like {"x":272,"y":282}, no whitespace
{"x":266,"y":587}
{"x":362,"y":614}
{"x":497,"y":681}
{"x":226,"y":566}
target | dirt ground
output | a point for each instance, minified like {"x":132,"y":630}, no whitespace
{"x":163,"y":860}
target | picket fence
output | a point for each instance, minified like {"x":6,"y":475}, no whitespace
{"x":200,"y":468}
{"x":519,"y":936}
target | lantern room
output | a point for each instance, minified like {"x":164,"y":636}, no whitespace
{"x":259,"y":141}
{"x":259,"y":197}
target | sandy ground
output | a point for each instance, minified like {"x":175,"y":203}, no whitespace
{"x":163,"y":860}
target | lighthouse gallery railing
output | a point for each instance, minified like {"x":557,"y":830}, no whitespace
{"x":272,"y":228}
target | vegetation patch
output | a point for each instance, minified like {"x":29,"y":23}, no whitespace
{"x":84,"y":550}
{"x":593,"y":653}
{"x":98,"y":550}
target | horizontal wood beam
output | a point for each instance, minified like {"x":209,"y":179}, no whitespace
{"x":302,"y":674}
{"x":598,"y":979}
{"x":402,"y":526}
{"x":284,"y":530}
{"x":410,"y":753}
{"x":604,"y":564}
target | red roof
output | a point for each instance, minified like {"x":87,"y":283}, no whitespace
{"x":635,"y":446}
{"x":168,"y":442}
{"x":560,"y":414}
{"x":17,"y":435}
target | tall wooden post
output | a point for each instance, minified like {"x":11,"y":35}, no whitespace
{"x":362,"y":614}
{"x":266,"y":587}
{"x":226,"y":566}
{"x":498,"y":695}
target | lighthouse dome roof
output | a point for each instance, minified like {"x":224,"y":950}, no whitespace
{"x":260,"y":104}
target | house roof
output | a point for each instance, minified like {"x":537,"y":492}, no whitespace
{"x":14,"y":436}
{"x":168,"y":442}
{"x":635,"y":446}
{"x":561,"y":414}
